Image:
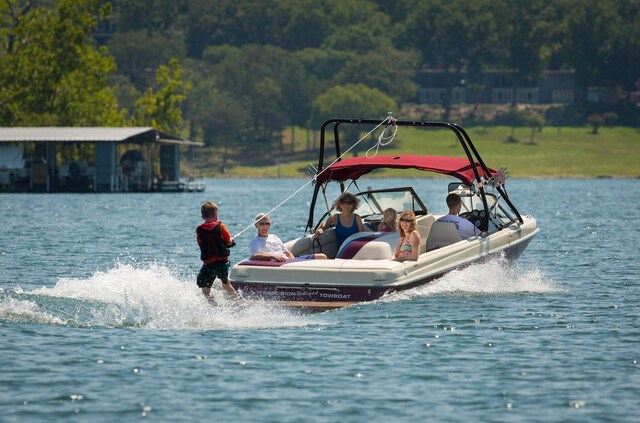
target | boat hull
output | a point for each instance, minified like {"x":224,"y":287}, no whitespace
{"x":336,"y":291}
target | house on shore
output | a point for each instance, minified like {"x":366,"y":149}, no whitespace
{"x":499,"y":86}
{"x":91,"y":159}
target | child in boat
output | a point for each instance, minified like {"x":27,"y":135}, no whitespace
{"x":409,"y":244}
{"x":388,"y":223}
{"x":266,"y":246}
{"x":214,"y":241}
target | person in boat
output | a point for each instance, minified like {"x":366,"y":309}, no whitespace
{"x":266,"y":246}
{"x":346,"y":222}
{"x":388,"y":224}
{"x":214,"y":241}
{"x":409,"y":243}
{"x":466,"y":229}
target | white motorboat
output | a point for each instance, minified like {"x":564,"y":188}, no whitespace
{"x":362,"y":269}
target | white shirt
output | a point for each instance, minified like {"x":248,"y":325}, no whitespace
{"x":465,"y":228}
{"x":269,"y":245}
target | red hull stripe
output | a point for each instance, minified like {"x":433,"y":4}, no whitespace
{"x":268,"y":263}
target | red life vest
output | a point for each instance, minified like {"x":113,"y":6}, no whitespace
{"x":211,"y":242}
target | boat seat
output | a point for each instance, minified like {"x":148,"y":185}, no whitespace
{"x":369,"y":246}
{"x":441,"y":235}
{"x":307,"y":245}
{"x":423,"y":226}
{"x":328,"y":243}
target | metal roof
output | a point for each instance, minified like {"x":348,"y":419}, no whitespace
{"x":136,"y":135}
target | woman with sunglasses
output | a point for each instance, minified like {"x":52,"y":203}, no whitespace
{"x":346,"y":222}
{"x":409,"y":244}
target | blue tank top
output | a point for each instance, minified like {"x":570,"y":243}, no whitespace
{"x":343,"y":232}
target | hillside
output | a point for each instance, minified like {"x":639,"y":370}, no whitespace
{"x":553,"y":152}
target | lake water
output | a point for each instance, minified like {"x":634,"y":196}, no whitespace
{"x":101,"y":319}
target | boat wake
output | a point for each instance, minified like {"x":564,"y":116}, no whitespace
{"x":150,"y":298}
{"x":495,"y":277}
{"x":153,"y":298}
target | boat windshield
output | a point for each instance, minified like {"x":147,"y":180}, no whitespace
{"x":499,"y":213}
{"x":400,"y":199}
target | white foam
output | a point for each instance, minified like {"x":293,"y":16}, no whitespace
{"x":496,"y":277}
{"x":151,"y":297}
{"x":24,"y":311}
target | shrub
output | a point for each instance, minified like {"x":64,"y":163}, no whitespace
{"x":596,"y":120}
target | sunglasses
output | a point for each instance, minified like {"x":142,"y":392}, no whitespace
{"x":264,"y":223}
{"x":346,"y":202}
{"x":406,"y":220}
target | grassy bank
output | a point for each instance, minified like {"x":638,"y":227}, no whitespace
{"x":554,"y":152}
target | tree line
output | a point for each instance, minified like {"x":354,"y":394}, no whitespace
{"x":236,"y":73}
{"x":52,"y":73}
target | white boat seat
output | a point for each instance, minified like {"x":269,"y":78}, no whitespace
{"x":423,"y":226}
{"x":441,"y":235}
{"x":307,"y":245}
{"x":369,"y":246}
{"x":328,"y":244}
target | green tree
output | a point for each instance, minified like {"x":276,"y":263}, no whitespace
{"x":148,"y":15}
{"x":596,"y":121}
{"x":390,"y":70}
{"x":139,"y":53}
{"x":308,"y":25}
{"x":76,"y":105}
{"x":216,"y":117}
{"x":323,"y":63}
{"x":50,"y":71}
{"x":601,"y":41}
{"x":623,"y":64}
{"x":513,"y":118}
{"x":270,"y":82}
{"x":454,"y":36}
{"x":523,"y":40}
{"x":535,"y":121}
{"x":352,"y":100}
{"x":234,"y":22}
{"x":160,"y":106}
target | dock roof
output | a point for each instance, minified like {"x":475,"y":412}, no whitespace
{"x":133,"y":135}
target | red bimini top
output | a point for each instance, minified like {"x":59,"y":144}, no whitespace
{"x":354,"y":167}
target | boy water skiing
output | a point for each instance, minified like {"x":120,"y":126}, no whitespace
{"x":214,"y":241}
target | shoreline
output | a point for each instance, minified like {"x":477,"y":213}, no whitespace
{"x":565,"y":152}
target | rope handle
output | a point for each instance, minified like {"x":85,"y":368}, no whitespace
{"x":386,"y":137}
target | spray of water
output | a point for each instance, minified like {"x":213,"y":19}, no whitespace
{"x":148,"y":297}
{"x":495,"y":277}
{"x":24,"y":311}
{"x":152,"y":297}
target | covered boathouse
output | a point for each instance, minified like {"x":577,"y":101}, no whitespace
{"x":92,"y":159}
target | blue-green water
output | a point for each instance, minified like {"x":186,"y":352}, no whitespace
{"x":101,"y":319}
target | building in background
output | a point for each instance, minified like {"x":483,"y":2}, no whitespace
{"x":497,"y":87}
{"x":91,"y":159}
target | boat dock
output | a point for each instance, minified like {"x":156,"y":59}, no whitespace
{"x":92,"y":159}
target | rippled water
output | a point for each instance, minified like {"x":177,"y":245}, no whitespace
{"x":101,"y":319}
